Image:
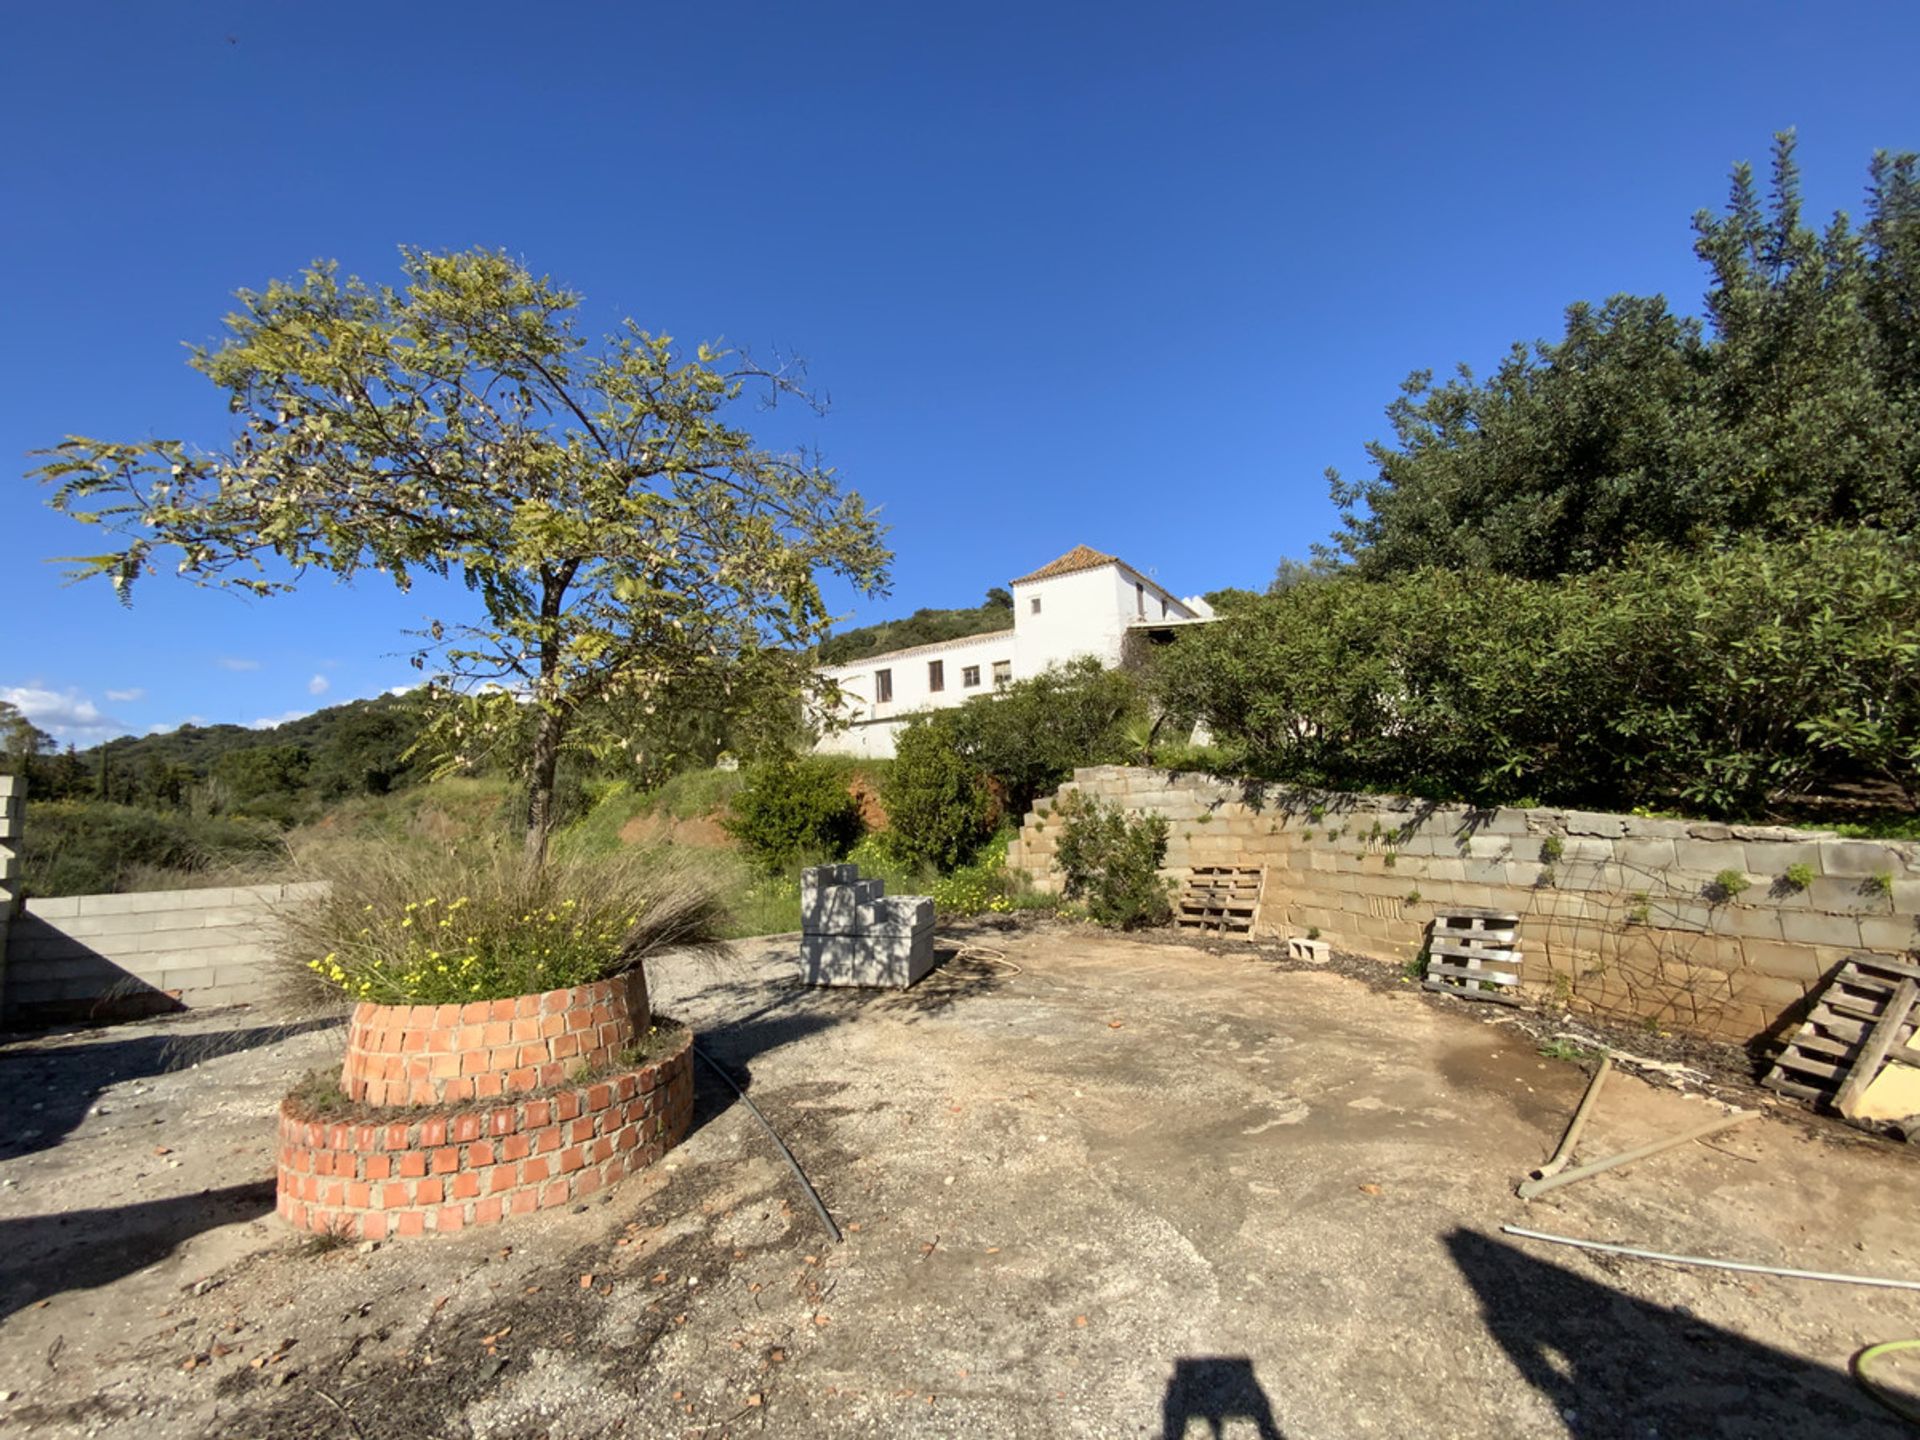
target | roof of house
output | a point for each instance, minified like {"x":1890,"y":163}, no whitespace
{"x":1081,"y":557}
{"x":866,"y":662}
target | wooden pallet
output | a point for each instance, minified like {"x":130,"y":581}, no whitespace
{"x":1860,"y":1014}
{"x":1475,"y":954}
{"x":1224,"y":899}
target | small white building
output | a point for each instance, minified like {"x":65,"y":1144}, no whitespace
{"x":1084,"y":603}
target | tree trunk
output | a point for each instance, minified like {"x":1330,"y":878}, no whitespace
{"x":542,"y":770}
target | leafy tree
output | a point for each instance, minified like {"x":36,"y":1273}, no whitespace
{"x":621,"y":534}
{"x":923,"y":627}
{"x":1110,"y":860}
{"x":263,"y":771}
{"x":999,"y":597}
{"x":1030,"y":736}
{"x":20,"y":739}
{"x":1796,"y":404}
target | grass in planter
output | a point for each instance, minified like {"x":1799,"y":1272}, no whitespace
{"x":403,"y":927}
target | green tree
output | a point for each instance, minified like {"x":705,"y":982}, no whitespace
{"x":939,"y":810}
{"x":620,"y":532}
{"x":1796,"y":404}
{"x":20,"y":739}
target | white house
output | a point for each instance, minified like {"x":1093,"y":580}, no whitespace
{"x":1084,"y":603}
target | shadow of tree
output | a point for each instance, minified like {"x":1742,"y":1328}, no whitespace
{"x":1215,"y":1389}
{"x":43,"y":1255}
{"x":1615,"y":1365}
{"x":45,"y":1090}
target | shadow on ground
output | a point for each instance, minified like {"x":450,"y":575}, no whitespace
{"x":1613,"y":1365}
{"x":45,"y":1091}
{"x":43,"y":1255}
{"x":1216,"y":1390}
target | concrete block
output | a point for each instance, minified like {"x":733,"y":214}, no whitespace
{"x":1583,"y":822}
{"x":893,"y":962}
{"x":1749,"y":922}
{"x":61,"y":908}
{"x":1812,"y":928}
{"x":1774,"y":857}
{"x":1642,"y":853}
{"x":1861,"y":858}
{"x":1489,"y":847}
{"x":833,"y":908}
{"x":1844,"y":895}
{"x":895,"y":915}
{"x":1890,"y":934}
{"x":188,"y":981}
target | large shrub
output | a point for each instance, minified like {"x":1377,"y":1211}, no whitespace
{"x":1030,"y":736}
{"x":1725,"y":682}
{"x":1110,"y":861}
{"x":939,"y":810}
{"x":794,"y":808}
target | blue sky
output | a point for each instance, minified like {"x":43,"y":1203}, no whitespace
{"x":1120,"y":275}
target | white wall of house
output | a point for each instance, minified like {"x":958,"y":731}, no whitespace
{"x":1056,"y":619}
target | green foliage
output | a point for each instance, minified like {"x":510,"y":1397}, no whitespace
{"x":1879,"y":884}
{"x":1797,"y":406}
{"x":1030,"y":736}
{"x":421,"y":927}
{"x":939,"y":809}
{"x":1560,"y":1048}
{"x":1796,"y":877}
{"x":794,"y":808}
{"x":1727,"y":885}
{"x":630,"y":546}
{"x":1110,"y":860}
{"x":1725,"y":681}
{"x":1553,"y":849}
{"x":89,"y":848}
{"x":923,"y":627}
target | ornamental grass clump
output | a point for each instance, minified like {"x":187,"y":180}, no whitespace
{"x":400,"y":928}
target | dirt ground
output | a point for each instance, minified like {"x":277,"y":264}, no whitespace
{"x":1089,"y":1186}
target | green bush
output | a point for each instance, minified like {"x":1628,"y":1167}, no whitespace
{"x":1111,"y":862}
{"x":794,"y":808}
{"x":90,"y":848}
{"x":427,"y":927}
{"x":939,"y":810}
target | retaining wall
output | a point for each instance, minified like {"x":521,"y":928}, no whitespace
{"x":1621,"y":915}
{"x":13,"y":800}
{"x":102,"y":956}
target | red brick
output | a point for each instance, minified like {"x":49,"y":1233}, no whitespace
{"x":497,"y":1032}
{"x":552,"y":1025}
{"x":449,"y":1218}
{"x":430,"y":1192}
{"x":586,"y":1182}
{"x":466,"y":1185}
{"x":378,"y":1167}
{"x":556,"y":1193}
{"x":578,"y":1020}
{"x":410,"y":1222}
{"x":474,"y":1012}
{"x":516,"y":1147}
{"x":502,"y":1010}
{"x":467,"y":1127}
{"x":373,"y":1226}
{"x":413,"y":1164}
{"x":539,"y":1113}
{"x":535,"y":1170}
{"x":566,"y":1105}
{"x":527,"y":1077}
{"x":393,"y":1196}
{"x":526,"y":1005}
{"x":446,"y":1160}
{"x":488,"y":1212}
{"x":501,"y":1122}
{"x":433,"y":1133}
{"x":359,"y":1194}
{"x":602,"y":1149}
{"x":582,"y":1130}
{"x":599,"y":1097}
{"x":500,"y":1177}
{"x":396,"y":1137}
{"x":571,"y":1159}
{"x":456,"y":1091}
{"x":524,"y":1202}
{"x":479,"y":1154}
{"x":488,"y":1085}
{"x":472,"y":1062}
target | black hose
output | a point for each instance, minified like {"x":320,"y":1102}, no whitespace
{"x":774,"y":1135}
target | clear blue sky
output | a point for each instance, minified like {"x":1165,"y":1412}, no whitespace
{"x":1125,"y":275}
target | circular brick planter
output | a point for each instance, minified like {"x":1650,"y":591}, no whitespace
{"x":476,"y":1164}
{"x":450,"y":1054}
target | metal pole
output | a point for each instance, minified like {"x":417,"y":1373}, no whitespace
{"x":1712,"y":1264}
{"x":1577,"y":1124}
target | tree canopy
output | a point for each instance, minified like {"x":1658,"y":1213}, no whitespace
{"x":1795,"y":404}
{"x":624,"y":538}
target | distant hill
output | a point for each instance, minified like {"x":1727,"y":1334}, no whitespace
{"x":198,"y":747}
{"x":923,"y":627}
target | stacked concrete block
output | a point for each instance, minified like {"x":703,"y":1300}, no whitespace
{"x":854,"y":933}
{"x":13,"y":800}
{"x":1710,"y":927}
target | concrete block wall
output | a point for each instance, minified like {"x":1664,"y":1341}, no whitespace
{"x":96,"y":956}
{"x":13,"y":800}
{"x":1621,"y":915}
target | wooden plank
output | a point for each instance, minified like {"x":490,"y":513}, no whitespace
{"x":1464,"y":952}
{"x":1467,"y":972}
{"x":1473,"y":992}
{"x":1867,"y":1064}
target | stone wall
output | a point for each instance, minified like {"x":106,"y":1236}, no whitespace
{"x":1717,"y":929}
{"x":109,"y":956}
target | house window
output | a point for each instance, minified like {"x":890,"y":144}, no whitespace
{"x":1034,"y":605}
{"x":883,"y":687}
{"x":1139,"y":599}
{"x":936,"y":676}
{"x":1002,"y":672}
{"x":1163,"y":607}
{"x":969,"y":676}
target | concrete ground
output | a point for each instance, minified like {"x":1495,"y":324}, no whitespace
{"x":1090,"y":1186}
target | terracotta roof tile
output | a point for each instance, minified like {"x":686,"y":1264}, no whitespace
{"x":1081,"y":557}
